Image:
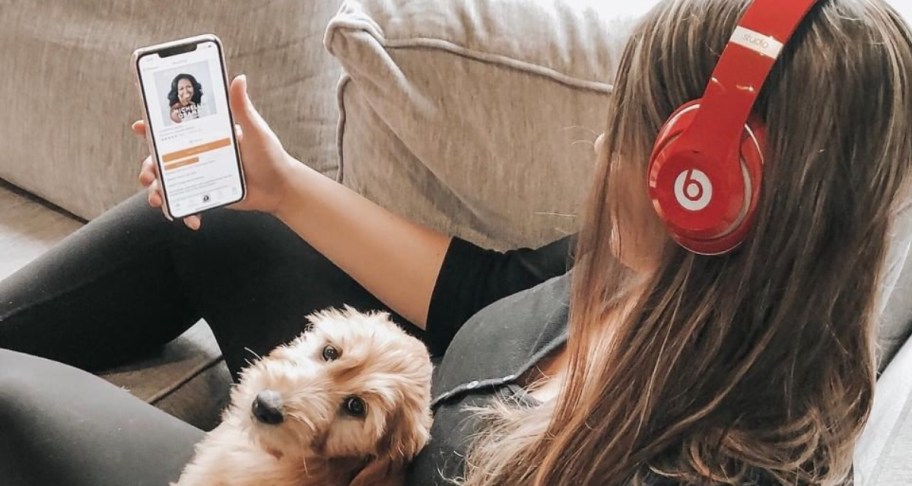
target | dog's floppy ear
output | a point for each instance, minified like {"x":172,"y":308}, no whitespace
{"x":406,"y":434}
{"x":380,"y":471}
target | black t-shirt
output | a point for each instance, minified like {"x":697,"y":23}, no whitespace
{"x":492,"y":316}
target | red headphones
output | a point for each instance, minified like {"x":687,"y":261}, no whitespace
{"x":706,"y":168}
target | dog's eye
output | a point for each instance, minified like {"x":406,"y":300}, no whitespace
{"x":354,"y":406}
{"x":330,"y":353}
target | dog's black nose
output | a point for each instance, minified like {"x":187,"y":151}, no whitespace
{"x":267,"y":407}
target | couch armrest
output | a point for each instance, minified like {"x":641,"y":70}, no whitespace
{"x":883,"y":451}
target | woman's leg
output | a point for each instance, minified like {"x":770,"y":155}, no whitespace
{"x":128,"y":281}
{"x":60,"y":425}
{"x":131,"y":281}
{"x":105,"y":294}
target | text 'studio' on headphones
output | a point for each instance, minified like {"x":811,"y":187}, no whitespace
{"x":705,"y":171}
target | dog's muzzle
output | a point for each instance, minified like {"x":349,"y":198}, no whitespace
{"x":267,"y":407}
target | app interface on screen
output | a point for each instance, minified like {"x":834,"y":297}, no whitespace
{"x":188,"y":116}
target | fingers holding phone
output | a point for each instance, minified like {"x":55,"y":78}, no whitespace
{"x":266,"y":163}
{"x":148,"y":178}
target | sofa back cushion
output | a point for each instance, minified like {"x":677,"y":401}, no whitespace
{"x":476,"y":117}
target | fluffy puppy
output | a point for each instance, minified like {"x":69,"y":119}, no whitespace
{"x":346,"y":403}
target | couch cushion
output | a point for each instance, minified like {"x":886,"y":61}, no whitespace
{"x":476,"y":117}
{"x":882,"y":455}
{"x":69,"y":96}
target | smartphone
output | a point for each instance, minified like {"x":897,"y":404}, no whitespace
{"x":184,"y":89}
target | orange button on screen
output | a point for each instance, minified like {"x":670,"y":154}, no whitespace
{"x":181,"y":163}
{"x":199,"y":149}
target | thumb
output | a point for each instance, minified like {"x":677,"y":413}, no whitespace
{"x":245,"y":114}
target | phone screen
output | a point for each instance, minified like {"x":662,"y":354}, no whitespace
{"x":186,"y":102}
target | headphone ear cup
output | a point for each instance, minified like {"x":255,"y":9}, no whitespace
{"x":753,"y":147}
{"x":676,"y":124}
{"x":707,"y":205}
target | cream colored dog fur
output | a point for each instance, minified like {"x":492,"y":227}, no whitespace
{"x":346,"y":403}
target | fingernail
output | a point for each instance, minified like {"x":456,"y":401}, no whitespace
{"x":244,"y":79}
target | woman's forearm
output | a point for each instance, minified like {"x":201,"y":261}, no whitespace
{"x":395,"y":259}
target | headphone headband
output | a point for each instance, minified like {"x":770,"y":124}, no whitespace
{"x":741,"y":72}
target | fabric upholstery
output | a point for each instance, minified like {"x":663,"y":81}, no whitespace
{"x":882,"y":454}
{"x":476,"y":117}
{"x":69,"y":92}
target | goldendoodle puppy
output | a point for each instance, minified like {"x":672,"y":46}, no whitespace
{"x":346,"y":403}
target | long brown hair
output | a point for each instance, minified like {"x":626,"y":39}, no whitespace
{"x":759,"y":362}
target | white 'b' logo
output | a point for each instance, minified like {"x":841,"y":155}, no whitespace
{"x":693,"y":190}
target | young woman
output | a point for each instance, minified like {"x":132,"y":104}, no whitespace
{"x":647,"y":364}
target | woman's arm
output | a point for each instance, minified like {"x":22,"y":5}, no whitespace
{"x":432,"y":280}
{"x":395,"y":259}
{"x":400,"y":262}
{"x":472,"y":277}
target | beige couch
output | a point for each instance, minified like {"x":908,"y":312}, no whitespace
{"x":476,"y":117}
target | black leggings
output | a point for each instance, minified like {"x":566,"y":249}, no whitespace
{"x":119,"y":288}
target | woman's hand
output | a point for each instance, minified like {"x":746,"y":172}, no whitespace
{"x":266,"y":164}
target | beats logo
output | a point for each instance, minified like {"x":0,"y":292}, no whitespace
{"x":693,"y":190}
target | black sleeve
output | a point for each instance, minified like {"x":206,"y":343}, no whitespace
{"x":472,"y":277}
